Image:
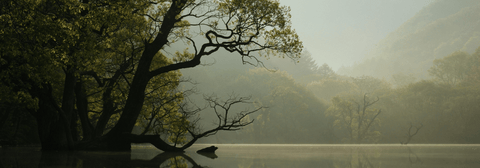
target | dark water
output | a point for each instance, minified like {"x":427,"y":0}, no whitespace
{"x":245,"y":156}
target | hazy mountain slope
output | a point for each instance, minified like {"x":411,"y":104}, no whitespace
{"x":436,"y":31}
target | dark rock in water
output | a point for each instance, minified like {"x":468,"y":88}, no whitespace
{"x":208,"y":155}
{"x":210,"y":149}
{"x":208,"y":152}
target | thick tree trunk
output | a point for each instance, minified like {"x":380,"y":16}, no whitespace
{"x":68,"y":104}
{"x":123,"y":143}
{"x":4,"y":115}
{"x":107,"y":112}
{"x":50,"y":129}
{"x":53,"y":125}
{"x":133,"y":105}
{"x":68,"y":101}
{"x":74,"y":127}
{"x":120,"y":137}
{"x":82,"y":110}
{"x":108,"y":105}
{"x":142,"y":76}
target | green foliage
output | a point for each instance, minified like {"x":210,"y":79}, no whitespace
{"x":304,"y":69}
{"x":371,"y":85}
{"x":328,"y":88}
{"x":99,"y":43}
{"x":356,"y":116}
{"x":452,"y":69}
{"x":473,"y":78}
{"x":175,"y":162}
{"x":17,"y":127}
{"x":447,"y":113}
{"x":292,"y":113}
{"x":271,"y":25}
{"x":401,"y":79}
{"x":325,"y":71}
{"x":106,"y":63}
{"x":114,"y":50}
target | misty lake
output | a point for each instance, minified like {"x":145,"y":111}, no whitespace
{"x":261,"y":155}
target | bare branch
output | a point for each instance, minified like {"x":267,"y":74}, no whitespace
{"x":410,"y":135}
{"x":223,"y":111}
{"x":95,"y":76}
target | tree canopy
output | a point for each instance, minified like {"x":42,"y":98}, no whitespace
{"x":112,"y":65}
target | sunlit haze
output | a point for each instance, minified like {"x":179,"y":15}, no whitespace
{"x":341,"y":32}
{"x":227,"y":83}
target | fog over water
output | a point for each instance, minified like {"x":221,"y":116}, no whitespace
{"x":267,"y":155}
{"x":377,"y":83}
{"x":419,"y":86}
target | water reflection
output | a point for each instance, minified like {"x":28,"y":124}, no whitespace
{"x":33,"y":157}
{"x":413,"y":157}
{"x":254,"y":156}
{"x":208,"y":155}
{"x":359,"y":158}
{"x":375,"y":157}
{"x":164,"y":160}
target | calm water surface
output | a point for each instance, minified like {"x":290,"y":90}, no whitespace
{"x":244,"y":156}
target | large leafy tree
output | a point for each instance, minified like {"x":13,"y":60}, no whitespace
{"x":357,"y":117}
{"x":452,"y":69}
{"x":356,"y":110}
{"x":110,"y":63}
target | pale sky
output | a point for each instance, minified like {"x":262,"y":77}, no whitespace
{"x":342,"y":32}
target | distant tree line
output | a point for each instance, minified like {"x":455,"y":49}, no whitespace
{"x":340,"y":109}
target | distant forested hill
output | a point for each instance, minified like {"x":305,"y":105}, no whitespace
{"x":436,"y":31}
